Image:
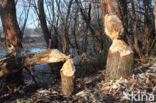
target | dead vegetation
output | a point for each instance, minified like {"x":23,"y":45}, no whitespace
{"x":117,"y":68}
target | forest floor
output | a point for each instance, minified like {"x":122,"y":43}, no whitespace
{"x":89,"y":88}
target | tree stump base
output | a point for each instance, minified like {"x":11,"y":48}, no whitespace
{"x":119,"y":61}
{"x":67,"y":77}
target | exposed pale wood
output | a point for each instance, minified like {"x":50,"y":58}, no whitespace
{"x":120,"y":56}
{"x":113,"y":26}
{"x":121,"y":47}
{"x":119,"y":62}
{"x":109,"y":6}
{"x":3,"y":3}
{"x":13,"y":64}
{"x":67,"y":77}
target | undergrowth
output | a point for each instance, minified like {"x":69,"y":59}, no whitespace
{"x":90,"y":64}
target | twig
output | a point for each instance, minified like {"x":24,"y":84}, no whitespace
{"x":31,"y":74}
{"x":116,"y":91}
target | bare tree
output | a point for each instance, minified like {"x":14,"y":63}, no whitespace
{"x":124,"y":12}
{"x":51,"y":41}
{"x":13,"y":35}
{"x":65,"y":37}
{"x":155,"y":14}
{"x":135,"y":45}
{"x":26,"y":10}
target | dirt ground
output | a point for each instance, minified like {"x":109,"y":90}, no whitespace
{"x":90,"y":88}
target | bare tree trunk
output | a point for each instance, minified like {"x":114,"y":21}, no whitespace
{"x":136,"y":46}
{"x":65,"y":37}
{"x":13,"y":35}
{"x":74,"y":30}
{"x":86,"y":17}
{"x":51,"y":41}
{"x":26,"y":13}
{"x":124,"y":17}
{"x":123,"y":10}
{"x":124,"y":13}
{"x":146,"y":27}
{"x":155,"y":14}
{"x":120,"y":56}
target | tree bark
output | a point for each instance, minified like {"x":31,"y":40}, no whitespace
{"x":119,"y":61}
{"x":124,"y":17}
{"x":10,"y":25}
{"x":50,"y":41}
{"x":13,"y":35}
{"x":155,"y":14}
{"x":135,"y":45}
{"x":146,"y":28}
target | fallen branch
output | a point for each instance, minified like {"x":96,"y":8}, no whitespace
{"x":13,"y":64}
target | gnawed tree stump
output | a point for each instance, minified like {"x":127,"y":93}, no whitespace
{"x":113,"y":26}
{"x":67,"y":77}
{"x":12,"y":64}
{"x":120,"y":56}
{"x":119,"y":61}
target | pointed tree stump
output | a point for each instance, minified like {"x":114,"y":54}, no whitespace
{"x":67,"y":77}
{"x":120,"y":56}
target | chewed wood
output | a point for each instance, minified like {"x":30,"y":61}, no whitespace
{"x":121,"y":47}
{"x":68,"y":68}
{"x":113,"y":26}
{"x":13,"y":64}
{"x":120,"y":56}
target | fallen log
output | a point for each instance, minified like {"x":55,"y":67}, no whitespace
{"x":13,"y":64}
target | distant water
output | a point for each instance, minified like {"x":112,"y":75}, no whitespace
{"x":36,"y":49}
{"x":32,"y":49}
{"x":2,"y":53}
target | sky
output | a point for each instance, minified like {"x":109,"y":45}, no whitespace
{"x":32,"y":17}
